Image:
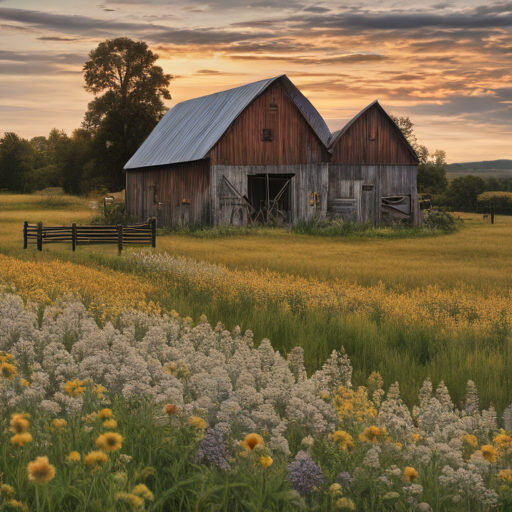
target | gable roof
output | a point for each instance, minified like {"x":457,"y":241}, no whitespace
{"x":336,"y":136}
{"x":191,"y":128}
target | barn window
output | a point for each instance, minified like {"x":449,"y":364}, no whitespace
{"x":267,"y":135}
{"x":373,"y":133}
{"x":155,"y":194}
{"x":273,"y":106}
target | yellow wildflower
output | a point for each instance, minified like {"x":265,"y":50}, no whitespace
{"x":489,"y":453}
{"x":132,"y":499}
{"x":415,"y":438}
{"x":110,"y":423}
{"x":9,"y":371}
{"x":506,"y":475}
{"x":335,"y":489}
{"x":99,"y":390}
{"x":110,"y":441}
{"x":197,"y":422}
{"x":21,"y":439}
{"x":369,"y":435}
{"x":345,"y":503}
{"x":40,"y":470}
{"x":410,"y":474}
{"x":266,"y":462}
{"x":19,"y":424}
{"x":93,"y":459}
{"x":251,"y":441}
{"x":73,"y":457}
{"x":503,"y":442}
{"x":24,"y":383}
{"x":143,"y":491}
{"x":16,"y":505}
{"x":105,"y":414}
{"x":6,"y":491}
{"x":59,"y":424}
{"x":344,"y":439}
{"x":75,"y":387}
{"x":170,"y":409}
{"x":470,"y":439}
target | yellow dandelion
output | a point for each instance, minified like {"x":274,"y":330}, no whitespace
{"x":19,"y":424}
{"x":344,"y":439}
{"x":96,"y":459}
{"x":21,"y":439}
{"x":111,"y":423}
{"x":197,"y":422}
{"x":410,"y":474}
{"x":132,"y":499}
{"x":142,"y":491}
{"x":370,"y":435}
{"x":40,"y":470}
{"x":252,"y":441}
{"x":489,"y":453}
{"x":110,"y":441}
{"x":266,"y":462}
{"x":105,"y":414}
{"x":73,"y":457}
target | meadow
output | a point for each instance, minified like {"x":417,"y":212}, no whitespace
{"x":87,"y":331}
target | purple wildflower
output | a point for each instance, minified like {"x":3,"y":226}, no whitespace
{"x":212,"y":449}
{"x":344,"y":479}
{"x":304,"y":475}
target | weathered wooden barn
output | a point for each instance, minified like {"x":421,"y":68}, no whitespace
{"x":263,"y":153}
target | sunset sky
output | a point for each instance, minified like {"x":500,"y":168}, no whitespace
{"x":446,"y":65}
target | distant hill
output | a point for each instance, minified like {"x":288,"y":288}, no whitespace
{"x":484,"y":169}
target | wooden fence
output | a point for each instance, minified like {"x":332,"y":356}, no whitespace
{"x":95,"y":234}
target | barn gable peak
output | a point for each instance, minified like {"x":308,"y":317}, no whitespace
{"x":191,"y":128}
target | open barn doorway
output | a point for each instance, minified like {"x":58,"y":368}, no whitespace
{"x":271,"y":197}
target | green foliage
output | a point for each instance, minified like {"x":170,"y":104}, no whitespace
{"x":464,"y":191}
{"x":443,"y":221}
{"x":16,"y":163}
{"x":431,"y":179}
{"x":112,"y":215}
{"x":499,"y":202}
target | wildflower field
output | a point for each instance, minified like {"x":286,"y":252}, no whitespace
{"x":353,"y":382}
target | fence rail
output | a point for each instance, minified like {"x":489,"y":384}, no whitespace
{"x":95,"y":234}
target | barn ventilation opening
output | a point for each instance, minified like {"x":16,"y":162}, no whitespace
{"x":271,"y":196}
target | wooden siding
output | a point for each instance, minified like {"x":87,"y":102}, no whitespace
{"x":176,"y":182}
{"x":373,"y":139}
{"x":307,"y":179}
{"x":294,"y":141}
{"x":347,"y":184}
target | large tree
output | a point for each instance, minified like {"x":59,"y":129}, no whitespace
{"x":129,"y":90}
{"x":16,"y":163}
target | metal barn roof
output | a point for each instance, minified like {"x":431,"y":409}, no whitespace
{"x":191,"y":128}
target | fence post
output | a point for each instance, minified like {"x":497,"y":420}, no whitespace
{"x":152,"y":225}
{"x":119,"y":238}
{"x":39,"y":236}
{"x":73,"y":236}
{"x":25,"y":235}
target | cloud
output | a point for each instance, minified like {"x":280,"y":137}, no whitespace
{"x":14,"y":28}
{"x":316,"y":9}
{"x":55,"y":38}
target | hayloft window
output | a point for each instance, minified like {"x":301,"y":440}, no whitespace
{"x":373,"y":133}
{"x":273,"y":106}
{"x":267,"y":135}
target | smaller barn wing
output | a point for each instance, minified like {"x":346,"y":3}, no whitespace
{"x":338,"y":134}
{"x":190,"y":129}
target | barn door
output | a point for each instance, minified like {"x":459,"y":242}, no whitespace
{"x":368,"y":213}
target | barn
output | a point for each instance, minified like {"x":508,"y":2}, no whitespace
{"x":263,"y":153}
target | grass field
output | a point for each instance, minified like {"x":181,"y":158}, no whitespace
{"x":117,"y":395}
{"x":409,"y":308}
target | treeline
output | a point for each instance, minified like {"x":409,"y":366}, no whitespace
{"x":128,"y":89}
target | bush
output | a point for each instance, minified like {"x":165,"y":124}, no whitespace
{"x":443,"y":221}
{"x":112,"y":215}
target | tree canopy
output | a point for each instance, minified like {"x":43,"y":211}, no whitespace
{"x":129,"y":90}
